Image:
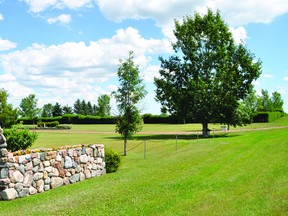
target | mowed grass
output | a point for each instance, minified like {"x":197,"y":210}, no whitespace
{"x":244,"y":173}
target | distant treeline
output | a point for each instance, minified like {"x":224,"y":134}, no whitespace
{"x":147,"y":118}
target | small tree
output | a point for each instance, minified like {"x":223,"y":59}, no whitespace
{"x":57,"y":110}
{"x":265,"y":101}
{"x":277,"y":102}
{"x":8,"y":115}
{"x":103,"y":109}
{"x":67,"y":109}
{"x":47,"y":110}
{"x":78,"y":109}
{"x":28,"y":107}
{"x":129,"y":93}
{"x":89,"y":108}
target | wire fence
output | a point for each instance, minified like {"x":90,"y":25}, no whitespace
{"x":151,"y":146}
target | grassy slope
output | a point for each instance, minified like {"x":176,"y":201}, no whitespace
{"x":245,"y":173}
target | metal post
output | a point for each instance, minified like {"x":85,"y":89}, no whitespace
{"x":145,"y":149}
{"x":176,"y":142}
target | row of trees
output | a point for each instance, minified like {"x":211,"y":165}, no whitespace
{"x":28,"y":107}
{"x":254,"y":104}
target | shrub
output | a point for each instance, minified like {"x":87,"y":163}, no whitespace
{"x":63,"y":127}
{"x":112,"y":160}
{"x":47,"y":124}
{"x":267,"y":116}
{"x":18,"y":138}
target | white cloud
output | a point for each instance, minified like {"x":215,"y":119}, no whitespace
{"x":239,"y":34}
{"x":37,"y":6}
{"x":15,"y":90}
{"x":6,"y":44}
{"x":269,"y":76}
{"x":164,"y":12}
{"x":151,"y":72}
{"x":74,"y":4}
{"x":1,"y":17}
{"x":238,"y":13}
{"x":285,"y":78}
{"x":62,"y":19}
{"x":76,"y":70}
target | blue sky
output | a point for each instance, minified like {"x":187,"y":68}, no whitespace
{"x":63,"y":50}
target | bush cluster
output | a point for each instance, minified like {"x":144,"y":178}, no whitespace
{"x":47,"y":124}
{"x":18,"y":138}
{"x":112,"y":160}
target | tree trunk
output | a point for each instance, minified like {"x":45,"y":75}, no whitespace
{"x":125,"y":145}
{"x":228,"y":128}
{"x":205,"y":130}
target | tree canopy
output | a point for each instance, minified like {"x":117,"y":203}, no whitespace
{"x":28,"y":107}
{"x":8,"y":115}
{"x":103,"y":109}
{"x":209,"y":74}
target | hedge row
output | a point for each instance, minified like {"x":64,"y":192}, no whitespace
{"x":72,"y":119}
{"x":147,"y":118}
{"x":267,"y":116}
{"x":81,"y":119}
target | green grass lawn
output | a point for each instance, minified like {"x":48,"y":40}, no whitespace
{"x":244,"y":173}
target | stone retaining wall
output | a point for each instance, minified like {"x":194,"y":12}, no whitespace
{"x":33,"y":173}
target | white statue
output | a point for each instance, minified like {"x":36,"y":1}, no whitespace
{"x":3,"y":143}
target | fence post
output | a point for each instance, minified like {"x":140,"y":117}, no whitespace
{"x":145,"y":149}
{"x":176,"y":142}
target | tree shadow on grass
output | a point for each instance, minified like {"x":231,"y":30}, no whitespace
{"x":174,"y":136}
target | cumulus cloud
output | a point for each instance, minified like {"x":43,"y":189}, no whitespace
{"x":62,"y":19}
{"x":1,"y":17}
{"x":285,"y":78}
{"x":15,"y":90}
{"x":247,"y":11}
{"x":164,"y":12}
{"x":239,"y":34}
{"x":78,"y":68}
{"x":6,"y":45}
{"x":36,"y":6}
{"x":269,"y":76}
{"x":150,"y":72}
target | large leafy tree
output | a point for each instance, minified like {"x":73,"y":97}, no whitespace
{"x":103,"y":109}
{"x":8,"y":115}
{"x":47,"y":110}
{"x":28,"y":107}
{"x":277,"y":101}
{"x":265,"y":103}
{"x":210,"y":74}
{"x":130,"y":91}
